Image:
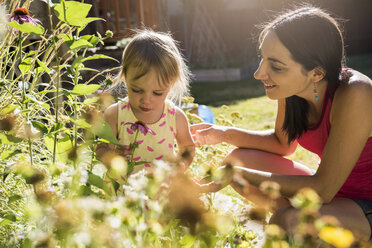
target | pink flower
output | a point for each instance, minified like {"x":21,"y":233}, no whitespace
{"x":140,"y":126}
{"x":22,"y":15}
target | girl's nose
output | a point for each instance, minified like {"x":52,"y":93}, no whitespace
{"x":260,"y":73}
{"x":146,"y":98}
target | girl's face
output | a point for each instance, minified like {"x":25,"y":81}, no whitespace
{"x":281,"y":75}
{"x":146,"y":95}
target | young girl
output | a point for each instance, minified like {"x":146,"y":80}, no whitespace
{"x":154,"y":73}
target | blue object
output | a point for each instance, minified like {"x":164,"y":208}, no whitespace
{"x":206,"y":114}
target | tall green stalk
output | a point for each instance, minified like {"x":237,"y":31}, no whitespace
{"x":57,"y":83}
{"x":24,"y":102}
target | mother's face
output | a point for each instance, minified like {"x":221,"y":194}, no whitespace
{"x":281,"y":75}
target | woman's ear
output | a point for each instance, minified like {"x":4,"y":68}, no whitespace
{"x":318,"y":73}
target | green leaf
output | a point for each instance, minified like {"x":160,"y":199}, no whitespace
{"x":88,"y":69}
{"x":86,"y":191}
{"x":91,"y":38}
{"x":67,"y":38}
{"x":74,"y":13}
{"x":30,"y":53}
{"x":27,"y":27}
{"x":63,"y":147}
{"x":78,"y":60}
{"x":74,"y":43}
{"x":8,"y":109}
{"x":78,"y":44}
{"x":25,"y":65}
{"x":115,"y":184}
{"x":8,"y":154}
{"x":103,"y":130}
{"x":43,"y":66}
{"x":5,"y":222}
{"x":91,"y":100}
{"x":14,"y":198}
{"x":85,"y":89}
{"x":6,"y":172}
{"x":11,"y":217}
{"x":187,"y":241}
{"x":8,"y":139}
{"x":56,"y":127}
{"x":82,"y":123}
{"x":99,"y":56}
{"x":97,"y":181}
{"x":40,"y":126}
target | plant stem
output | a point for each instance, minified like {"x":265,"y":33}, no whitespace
{"x":57,"y":84}
{"x":30,"y":150}
{"x":134,"y":147}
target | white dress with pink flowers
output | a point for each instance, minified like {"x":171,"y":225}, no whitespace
{"x":157,"y":144}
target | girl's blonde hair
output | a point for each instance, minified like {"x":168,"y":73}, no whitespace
{"x":154,"y":50}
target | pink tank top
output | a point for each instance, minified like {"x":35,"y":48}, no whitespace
{"x":359,"y":182}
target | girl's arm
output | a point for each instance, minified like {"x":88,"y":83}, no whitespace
{"x":186,"y":147}
{"x":351,"y":121}
{"x":274,"y":141}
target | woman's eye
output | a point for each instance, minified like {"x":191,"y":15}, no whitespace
{"x":276,"y":68}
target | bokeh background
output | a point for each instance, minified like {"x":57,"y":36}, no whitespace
{"x":219,"y":37}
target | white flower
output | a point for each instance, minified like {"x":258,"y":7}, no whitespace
{"x":113,"y":221}
{"x":138,"y":181}
{"x":82,"y":238}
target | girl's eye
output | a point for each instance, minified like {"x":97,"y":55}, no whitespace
{"x":157,"y":93}
{"x":135,"y":90}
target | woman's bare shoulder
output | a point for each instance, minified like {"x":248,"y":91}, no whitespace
{"x":354,"y":97}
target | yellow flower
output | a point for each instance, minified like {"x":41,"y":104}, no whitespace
{"x":336,"y":236}
{"x":306,"y":198}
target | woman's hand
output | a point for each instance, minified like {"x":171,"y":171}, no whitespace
{"x":207,"y":187}
{"x":207,"y":134}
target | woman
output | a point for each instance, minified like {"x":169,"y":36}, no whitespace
{"x":323,"y":107}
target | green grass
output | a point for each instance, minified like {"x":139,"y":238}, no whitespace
{"x":259,"y":114}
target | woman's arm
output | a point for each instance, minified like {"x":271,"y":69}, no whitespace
{"x":351,"y":121}
{"x":186,"y":147}
{"x":274,"y":141}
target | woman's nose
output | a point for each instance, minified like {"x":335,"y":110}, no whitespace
{"x":260,"y":73}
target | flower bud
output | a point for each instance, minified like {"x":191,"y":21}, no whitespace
{"x":109,"y":34}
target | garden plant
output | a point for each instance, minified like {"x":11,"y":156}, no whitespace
{"x":52,"y":191}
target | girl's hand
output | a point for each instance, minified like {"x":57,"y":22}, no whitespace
{"x":103,"y":148}
{"x":123,"y":150}
{"x":207,"y":134}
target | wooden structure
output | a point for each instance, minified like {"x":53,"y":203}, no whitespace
{"x":123,"y":15}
